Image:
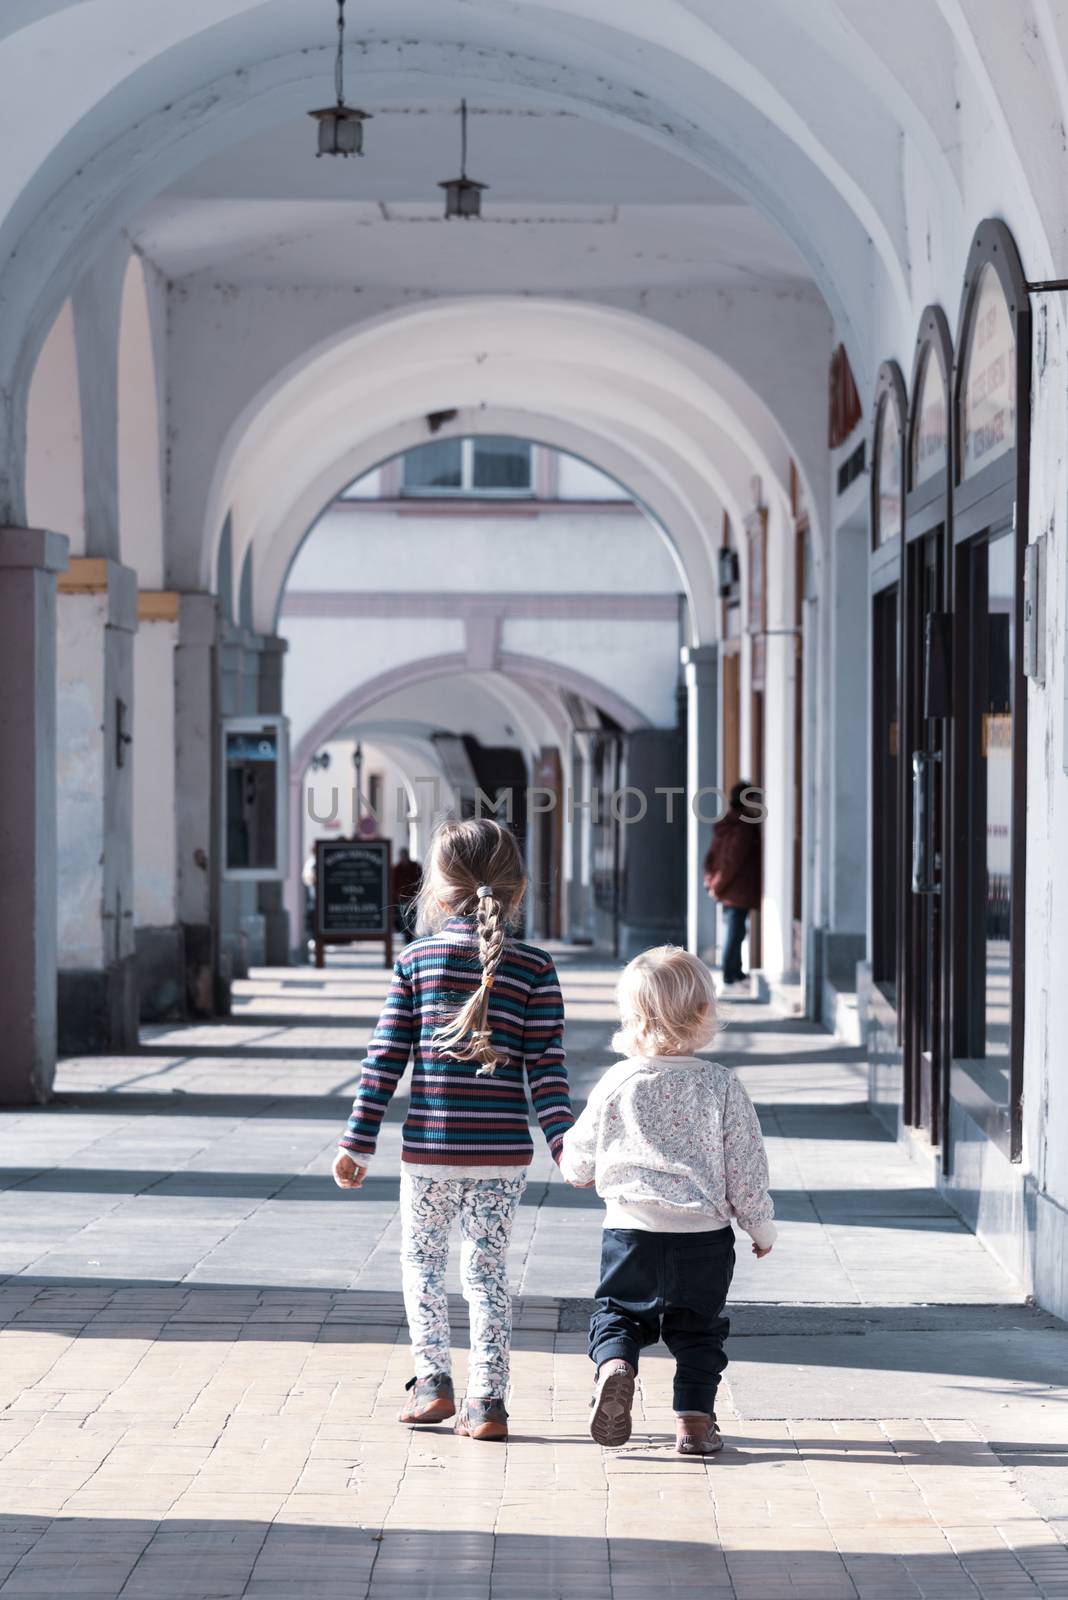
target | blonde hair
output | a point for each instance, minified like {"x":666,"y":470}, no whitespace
{"x":667,"y":1004}
{"x":472,"y":867}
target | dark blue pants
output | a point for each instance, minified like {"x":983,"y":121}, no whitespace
{"x":670,"y":1286}
{"x":734,"y":920}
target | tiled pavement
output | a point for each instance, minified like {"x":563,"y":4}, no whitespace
{"x":202,"y":1351}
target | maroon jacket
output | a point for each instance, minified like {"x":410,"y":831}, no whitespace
{"x":732,"y":865}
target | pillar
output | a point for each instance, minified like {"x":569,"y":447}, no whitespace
{"x":242,"y":928}
{"x":158,"y":940}
{"x":195,"y":818}
{"x":29,"y":561}
{"x":848,"y":830}
{"x":701,"y":670}
{"x":277,"y":939}
{"x":97,"y":620}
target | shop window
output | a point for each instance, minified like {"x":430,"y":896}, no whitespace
{"x":989,"y":798}
{"x":489,"y":466}
{"x":930,"y":431}
{"x":887,"y":520}
{"x":254,"y":797}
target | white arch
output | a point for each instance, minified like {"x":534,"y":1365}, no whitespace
{"x":620,"y":458}
{"x":646,"y":402}
{"x":748,"y":130}
{"x":806,"y":115}
{"x":524,"y":673}
{"x":55,"y":477}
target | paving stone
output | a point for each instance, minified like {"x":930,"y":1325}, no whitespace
{"x":202,"y":1347}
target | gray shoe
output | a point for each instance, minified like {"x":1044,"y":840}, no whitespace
{"x":482,"y":1417}
{"x":613,"y":1397}
{"x":697,"y":1434}
{"x":432,"y":1400}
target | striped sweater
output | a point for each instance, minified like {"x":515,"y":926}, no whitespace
{"x":456,"y":1118}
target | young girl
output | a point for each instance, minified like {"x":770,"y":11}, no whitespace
{"x":482,"y":1013}
{"x":673,"y":1145}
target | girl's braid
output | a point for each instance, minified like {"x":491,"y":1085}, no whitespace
{"x":491,"y":938}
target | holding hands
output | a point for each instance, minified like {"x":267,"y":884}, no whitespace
{"x":347,"y":1175}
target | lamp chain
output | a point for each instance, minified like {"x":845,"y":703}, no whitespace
{"x":339,"y":65}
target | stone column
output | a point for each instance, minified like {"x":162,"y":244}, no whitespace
{"x":157,"y":932}
{"x":848,"y":832}
{"x":701,"y":668}
{"x":29,"y":561}
{"x":242,"y":936}
{"x":97,"y":620}
{"x":196,"y":818}
{"x":278,"y":940}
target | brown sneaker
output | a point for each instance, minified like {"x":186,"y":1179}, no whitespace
{"x":697,"y":1434}
{"x":482,"y":1416}
{"x":613,"y":1397}
{"x":432,"y":1401}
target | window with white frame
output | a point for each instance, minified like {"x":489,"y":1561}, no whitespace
{"x":485,"y":466}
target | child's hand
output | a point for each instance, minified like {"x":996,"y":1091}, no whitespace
{"x":347,"y":1175}
{"x":574,"y":1184}
{"x":762,"y":1250}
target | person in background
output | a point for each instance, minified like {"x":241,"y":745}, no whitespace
{"x":733,"y":872}
{"x":407,"y":876}
{"x":307,"y":878}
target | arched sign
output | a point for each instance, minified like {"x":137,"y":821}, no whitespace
{"x":929,"y":433}
{"x":988,"y":380}
{"x":993,"y":369}
{"x":888,"y":457}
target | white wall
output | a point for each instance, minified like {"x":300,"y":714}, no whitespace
{"x":81,"y":775}
{"x":639,"y":660}
{"x":330,"y":656}
{"x":475,"y":550}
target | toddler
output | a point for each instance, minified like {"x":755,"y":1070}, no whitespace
{"x":673,"y":1146}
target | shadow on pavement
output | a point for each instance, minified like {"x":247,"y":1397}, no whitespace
{"x":229,"y":1555}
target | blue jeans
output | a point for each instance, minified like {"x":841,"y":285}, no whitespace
{"x":670,"y":1286}
{"x":734,"y":921}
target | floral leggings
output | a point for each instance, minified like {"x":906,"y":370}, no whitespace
{"x":486,"y":1208}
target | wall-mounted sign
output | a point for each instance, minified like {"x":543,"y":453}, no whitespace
{"x":988,"y":425}
{"x":930,"y":429}
{"x":254,"y":768}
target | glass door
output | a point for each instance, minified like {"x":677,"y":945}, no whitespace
{"x":886,"y":691}
{"x":984,"y":1021}
{"x":926,"y":642}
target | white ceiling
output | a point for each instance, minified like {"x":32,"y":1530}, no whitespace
{"x":571,"y":204}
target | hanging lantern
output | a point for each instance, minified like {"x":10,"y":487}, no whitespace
{"x":463,"y":196}
{"x":340,"y":126}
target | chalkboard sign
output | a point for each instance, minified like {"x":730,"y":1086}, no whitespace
{"x":352,"y":893}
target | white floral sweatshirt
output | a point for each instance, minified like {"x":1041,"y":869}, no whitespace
{"x":673,"y":1145}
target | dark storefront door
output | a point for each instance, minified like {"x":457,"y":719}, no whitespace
{"x":987,"y":1078}
{"x":926,"y":644}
